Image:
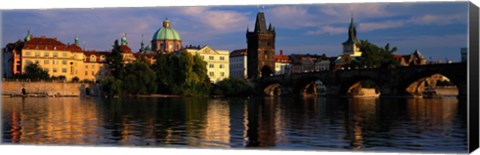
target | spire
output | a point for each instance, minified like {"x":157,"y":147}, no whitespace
{"x":352,"y":30}
{"x":27,"y":38}
{"x":124,"y":39}
{"x":260,"y":25}
{"x":270,"y":27}
{"x":142,"y":46}
{"x":76,"y":40}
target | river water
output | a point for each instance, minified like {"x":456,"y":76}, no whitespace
{"x":386,"y":124}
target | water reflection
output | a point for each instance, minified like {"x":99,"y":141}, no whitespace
{"x":285,"y":123}
{"x":46,"y":121}
{"x":362,"y":113}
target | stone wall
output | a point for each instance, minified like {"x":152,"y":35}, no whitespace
{"x":49,"y":88}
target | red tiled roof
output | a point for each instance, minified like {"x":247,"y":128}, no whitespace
{"x":397,"y":56}
{"x":44,"y":43}
{"x":282,"y":58}
{"x":125,"y":49}
{"x":74,"y":48}
{"x":144,"y":55}
{"x":239,"y":52}
{"x":93,"y":52}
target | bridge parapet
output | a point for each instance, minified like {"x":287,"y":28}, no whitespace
{"x":392,"y":82}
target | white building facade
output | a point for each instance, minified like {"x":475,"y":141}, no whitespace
{"x":238,"y":64}
{"x":218,"y":62}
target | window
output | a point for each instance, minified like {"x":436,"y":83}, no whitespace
{"x":210,"y":66}
{"x":54,"y":70}
{"x":222,"y":58}
{"x":221,"y":65}
{"x":86,"y":72}
{"x":93,"y":73}
{"x":55,"y":54}
{"x":203,"y":57}
{"x":45,"y":61}
{"x":45,"y":69}
{"x":92,"y":58}
{"x":222,"y":73}
{"x":37,"y":62}
{"x":64,"y":62}
{"x":55,"y":62}
{"x":210,"y":57}
{"x":37,"y":54}
{"x":64,"y":70}
{"x":64,"y":54}
{"x":47,"y":54}
{"x":27,"y":53}
{"x":28,"y":62}
{"x":86,"y":66}
{"x":93,"y":66}
{"x":211,"y":74}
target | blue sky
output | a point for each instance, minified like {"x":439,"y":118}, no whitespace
{"x":438,"y":30}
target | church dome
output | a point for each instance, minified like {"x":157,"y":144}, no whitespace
{"x":166,"y":33}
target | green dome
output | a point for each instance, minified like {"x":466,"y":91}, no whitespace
{"x":166,"y":33}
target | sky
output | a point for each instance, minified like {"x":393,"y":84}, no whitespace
{"x":438,"y":29}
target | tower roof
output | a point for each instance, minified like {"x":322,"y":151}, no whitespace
{"x":166,"y":32}
{"x":27,"y":38}
{"x":76,"y":40}
{"x":124,"y":39}
{"x":260,"y":25}
{"x":352,"y":33}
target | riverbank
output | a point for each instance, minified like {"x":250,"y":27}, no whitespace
{"x":48,"y":89}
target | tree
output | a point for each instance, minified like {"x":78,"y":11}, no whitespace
{"x":373,"y":55}
{"x":232,"y":87}
{"x":115,"y":61}
{"x":140,"y":79}
{"x":34,"y":72}
{"x":75,"y":79}
{"x":111,"y":86}
{"x":181,"y":73}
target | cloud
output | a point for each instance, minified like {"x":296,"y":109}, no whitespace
{"x":329,"y":30}
{"x":371,"y":26}
{"x":291,"y":17}
{"x":217,"y":21}
{"x":363,"y":10}
{"x":439,"y":19}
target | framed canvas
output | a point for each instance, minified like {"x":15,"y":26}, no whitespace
{"x":312,"y":77}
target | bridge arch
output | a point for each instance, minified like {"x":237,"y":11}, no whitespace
{"x":274,"y":89}
{"x":456,"y":73}
{"x":349,"y":86}
{"x":432,"y":85}
{"x":312,"y":87}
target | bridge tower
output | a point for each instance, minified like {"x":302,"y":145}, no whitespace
{"x":261,"y":49}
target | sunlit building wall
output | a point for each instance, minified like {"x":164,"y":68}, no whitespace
{"x":218,"y":62}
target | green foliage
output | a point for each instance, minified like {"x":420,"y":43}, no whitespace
{"x":111,"y":86}
{"x":35,"y":72}
{"x":233,"y":87}
{"x":75,"y":79}
{"x":139,"y":79}
{"x":61,"y":77}
{"x":373,"y":55}
{"x":115,"y":61}
{"x":182,"y":74}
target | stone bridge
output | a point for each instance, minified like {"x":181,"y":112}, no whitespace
{"x":391,"y":82}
